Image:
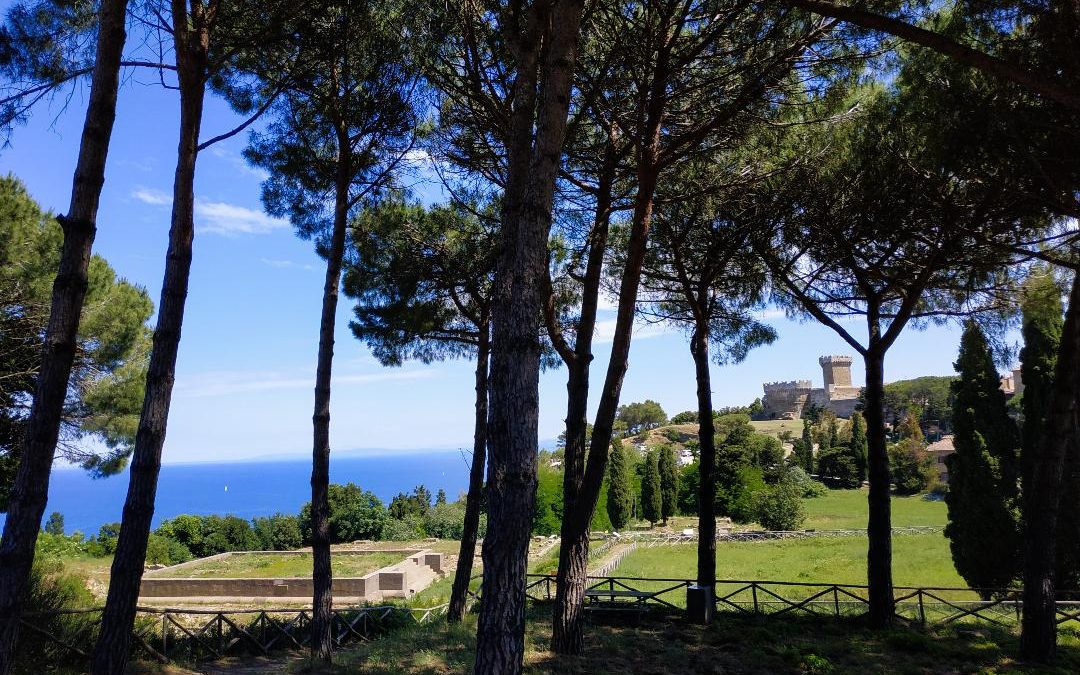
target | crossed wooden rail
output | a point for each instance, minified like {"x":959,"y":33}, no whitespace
{"x":199,"y":634}
{"x":665,"y":538}
{"x":934,"y":606}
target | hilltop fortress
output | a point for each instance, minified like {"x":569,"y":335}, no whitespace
{"x":786,"y":400}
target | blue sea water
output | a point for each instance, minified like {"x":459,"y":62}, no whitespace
{"x":251,"y":488}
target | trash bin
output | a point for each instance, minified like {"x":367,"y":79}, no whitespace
{"x":699,"y":603}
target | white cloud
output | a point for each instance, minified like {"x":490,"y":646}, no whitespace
{"x":417,"y":155}
{"x":285,"y":264}
{"x":152,"y":196}
{"x":218,"y":217}
{"x":227,"y":383}
{"x":606,"y":303}
{"x":770,"y":314}
{"x":230,"y":219}
{"x":605,"y":331}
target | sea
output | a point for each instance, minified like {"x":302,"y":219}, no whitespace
{"x":251,"y":488}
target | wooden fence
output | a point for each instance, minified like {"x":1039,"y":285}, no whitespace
{"x":922,"y":606}
{"x":200,"y":634}
{"x":195,"y":634}
{"x":660,"y":539}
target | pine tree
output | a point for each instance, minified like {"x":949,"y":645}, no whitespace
{"x":620,"y":501}
{"x":55,"y":525}
{"x":669,"y":482}
{"x":858,"y":445}
{"x":651,"y":500}
{"x":982,"y":529}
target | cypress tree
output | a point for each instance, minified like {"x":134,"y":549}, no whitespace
{"x":1043,"y":322}
{"x":982,"y":529}
{"x":807,"y":446}
{"x":669,"y":482}
{"x":651,"y":501}
{"x":859,"y":447}
{"x":620,"y":501}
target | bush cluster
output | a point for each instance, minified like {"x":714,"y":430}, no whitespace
{"x":354,"y":514}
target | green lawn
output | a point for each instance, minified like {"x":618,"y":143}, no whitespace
{"x":847,"y":509}
{"x":918,"y":560}
{"x":264,"y":566}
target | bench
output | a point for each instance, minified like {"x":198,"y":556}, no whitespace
{"x":616,"y":602}
{"x":594,"y":595}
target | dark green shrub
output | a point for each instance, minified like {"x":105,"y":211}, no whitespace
{"x":51,"y":589}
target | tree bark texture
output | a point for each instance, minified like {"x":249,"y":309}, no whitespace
{"x":566,"y":635}
{"x":706,"y":557}
{"x":114,"y":642}
{"x":463,"y":574}
{"x":31,"y":487}
{"x":322,"y":578}
{"x":1038,"y":641}
{"x":515,"y":364}
{"x":878,"y":527}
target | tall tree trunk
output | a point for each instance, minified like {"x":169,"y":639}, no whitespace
{"x":515,"y":364}
{"x":31,"y":487}
{"x":114,"y":643}
{"x":706,"y":557}
{"x":566,"y":633}
{"x":463,"y":575}
{"x":567,"y":636}
{"x":573,"y":562}
{"x":322,"y":579}
{"x":878,"y":527}
{"x":1039,"y":629}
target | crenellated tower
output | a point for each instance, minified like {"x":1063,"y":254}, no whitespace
{"x":836,"y":371}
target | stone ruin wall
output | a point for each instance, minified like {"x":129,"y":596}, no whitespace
{"x":786,"y":400}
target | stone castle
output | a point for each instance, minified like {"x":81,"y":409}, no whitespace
{"x":786,"y":400}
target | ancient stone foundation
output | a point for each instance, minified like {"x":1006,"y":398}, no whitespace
{"x":400,"y":580}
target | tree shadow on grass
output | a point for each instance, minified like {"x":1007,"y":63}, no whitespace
{"x":662,"y":644}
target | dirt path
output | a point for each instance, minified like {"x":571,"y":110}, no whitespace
{"x":606,"y":565}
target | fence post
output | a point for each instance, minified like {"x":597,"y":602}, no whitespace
{"x":164,"y":637}
{"x":836,"y":600}
{"x":753,"y":592}
{"x":922,"y":609}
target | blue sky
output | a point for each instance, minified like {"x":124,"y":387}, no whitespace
{"x":245,"y":374}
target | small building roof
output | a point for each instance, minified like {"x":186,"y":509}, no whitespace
{"x":943,"y":445}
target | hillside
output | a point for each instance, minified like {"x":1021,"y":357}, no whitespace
{"x":677,"y":435}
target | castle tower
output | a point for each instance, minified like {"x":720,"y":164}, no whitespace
{"x":836,"y":371}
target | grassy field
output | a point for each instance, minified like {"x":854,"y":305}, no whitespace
{"x":777,"y":427}
{"x":847,"y":509}
{"x":918,"y":560}
{"x":264,"y":566}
